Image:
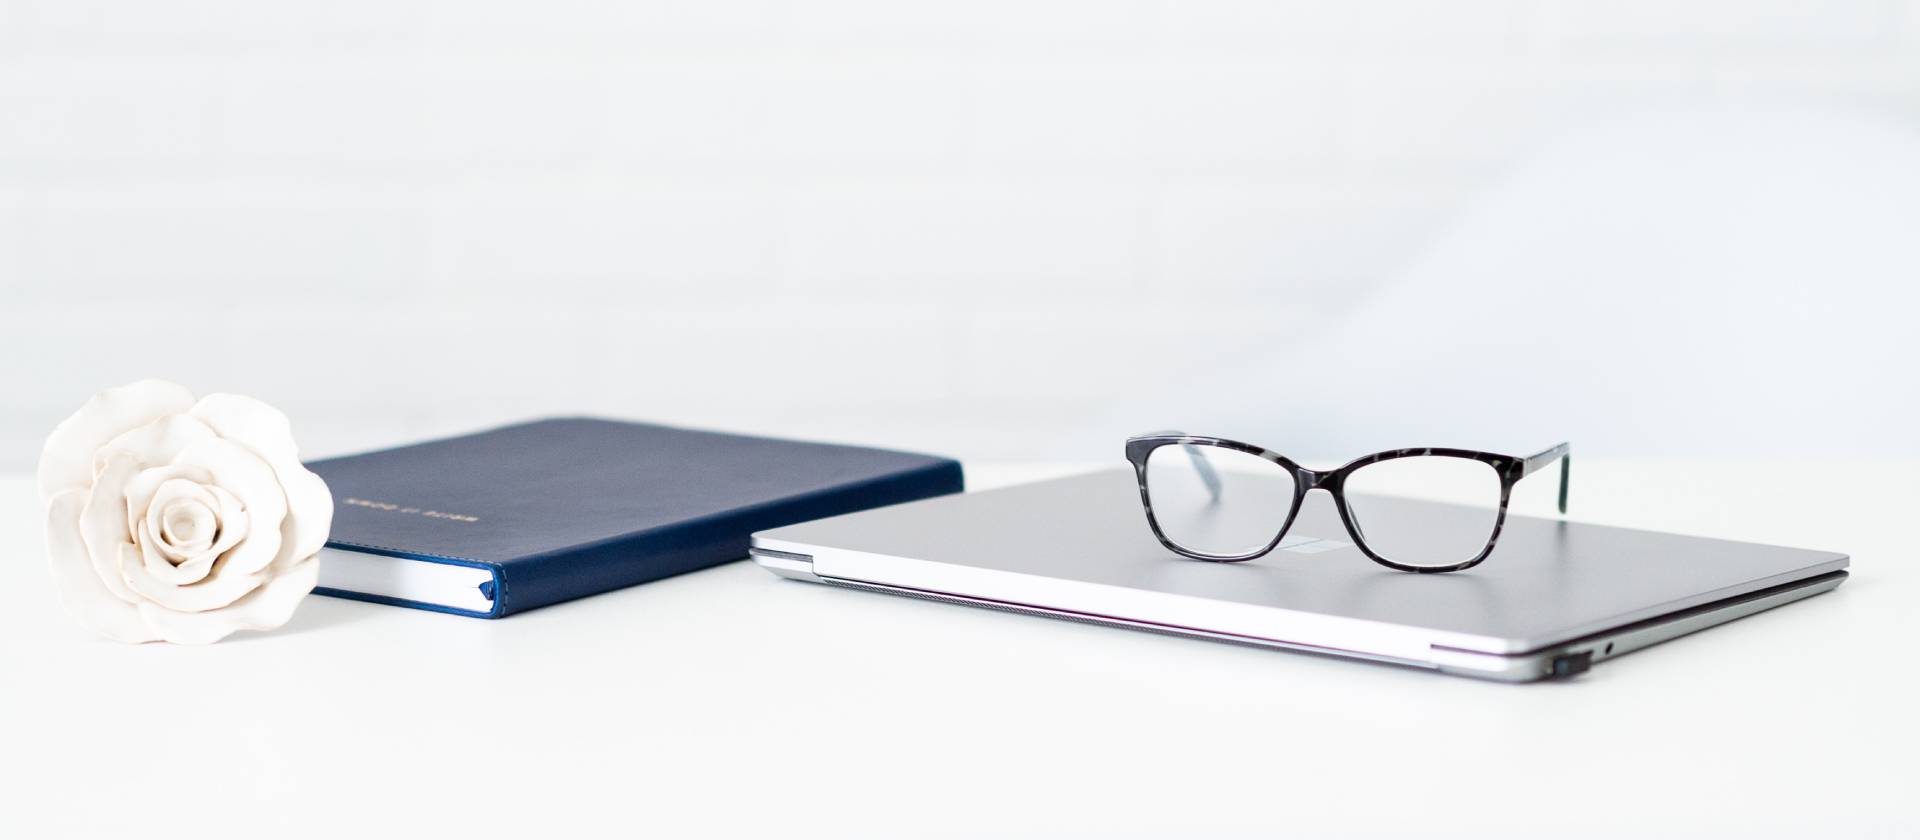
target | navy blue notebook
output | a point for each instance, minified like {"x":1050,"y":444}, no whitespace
{"x":507,"y":520}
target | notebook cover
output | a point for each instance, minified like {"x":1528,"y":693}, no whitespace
{"x":569,"y":507}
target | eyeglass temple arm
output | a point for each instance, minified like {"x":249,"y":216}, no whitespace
{"x":1559,"y":452}
{"x":1208,"y":475}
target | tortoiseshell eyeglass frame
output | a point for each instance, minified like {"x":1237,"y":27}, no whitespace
{"x":1509,"y":468}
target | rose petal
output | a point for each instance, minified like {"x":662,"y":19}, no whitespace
{"x":220,"y":588}
{"x":192,"y":569}
{"x":169,"y":496}
{"x":234,"y":523}
{"x":264,"y":608}
{"x":250,"y":423}
{"x":188,"y":523}
{"x":196,"y":568}
{"x":233,"y":529}
{"x":158,"y":566}
{"x":243,"y":474}
{"x":66,"y":461}
{"x":141,"y":489}
{"x":81,"y":589}
{"x":160,"y":441}
{"x":103,"y":523}
{"x":265,"y":430}
{"x":157,"y":563}
{"x":309,"y":514}
{"x":188,"y":526}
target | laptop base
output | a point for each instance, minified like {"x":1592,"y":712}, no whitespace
{"x":1558,"y":661}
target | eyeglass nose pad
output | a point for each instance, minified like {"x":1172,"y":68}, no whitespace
{"x":1355,"y":519}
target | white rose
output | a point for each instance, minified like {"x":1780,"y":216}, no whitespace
{"x":176,"y":520}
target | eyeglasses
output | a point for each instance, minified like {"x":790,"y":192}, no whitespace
{"x":1214,"y":499}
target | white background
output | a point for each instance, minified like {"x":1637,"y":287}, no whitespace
{"x":998,"y":230}
{"x":1006,"y":230}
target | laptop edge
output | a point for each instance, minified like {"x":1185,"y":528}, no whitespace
{"x":796,"y":561}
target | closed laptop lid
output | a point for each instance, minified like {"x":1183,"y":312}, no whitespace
{"x":1082,"y":544}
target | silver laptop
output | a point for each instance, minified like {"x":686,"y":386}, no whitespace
{"x":1553,"y":599}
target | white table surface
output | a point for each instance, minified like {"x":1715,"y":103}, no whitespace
{"x":728,"y":702}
